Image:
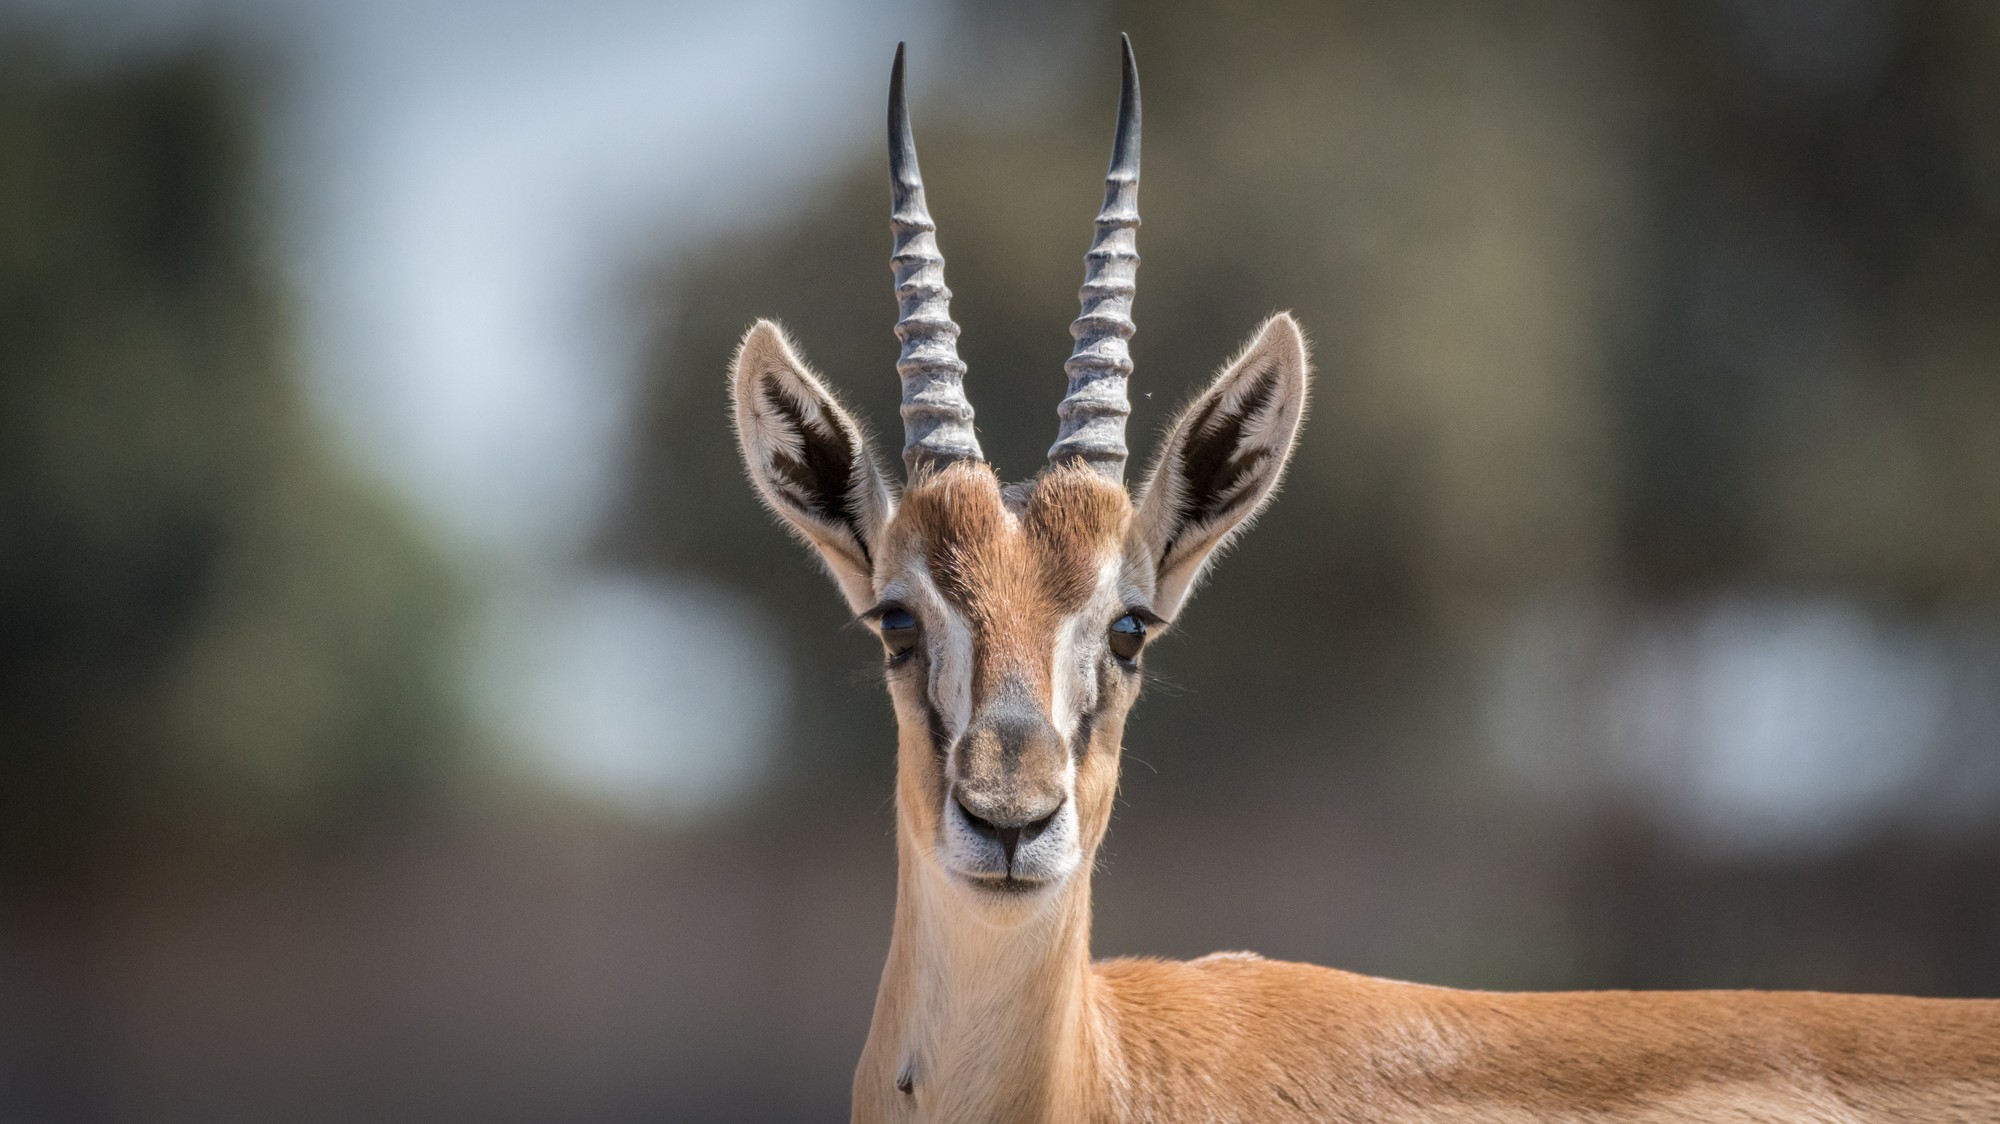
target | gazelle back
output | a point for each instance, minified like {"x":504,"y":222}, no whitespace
{"x":1014,"y":619}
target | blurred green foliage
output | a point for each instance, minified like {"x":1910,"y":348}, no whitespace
{"x":209,"y":624}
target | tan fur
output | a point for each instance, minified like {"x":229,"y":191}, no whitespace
{"x":1272,"y":1040}
{"x":990,"y":1009}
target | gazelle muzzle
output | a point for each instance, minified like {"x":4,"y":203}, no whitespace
{"x":1008,"y":797}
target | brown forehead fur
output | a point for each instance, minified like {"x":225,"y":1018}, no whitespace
{"x":1033,"y":557}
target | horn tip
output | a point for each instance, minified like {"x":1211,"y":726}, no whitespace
{"x":902,"y":145}
{"x":1125,"y":146}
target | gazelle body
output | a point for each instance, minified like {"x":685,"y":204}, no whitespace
{"x":1014,"y":619}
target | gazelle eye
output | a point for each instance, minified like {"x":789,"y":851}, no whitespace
{"x":1128,"y":635}
{"x":899,"y":631}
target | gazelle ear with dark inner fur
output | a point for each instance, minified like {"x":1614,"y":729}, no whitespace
{"x":1223,"y":458}
{"x":809,"y":459}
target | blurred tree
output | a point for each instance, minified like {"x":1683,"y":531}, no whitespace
{"x":208,"y":624}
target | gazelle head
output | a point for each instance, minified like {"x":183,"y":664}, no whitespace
{"x":1014,"y":617}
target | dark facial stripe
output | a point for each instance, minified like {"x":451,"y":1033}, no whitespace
{"x":1108,"y":677}
{"x":1086,"y":728}
{"x":934,"y":723}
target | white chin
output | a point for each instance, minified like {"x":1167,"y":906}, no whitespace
{"x":1022,"y":882}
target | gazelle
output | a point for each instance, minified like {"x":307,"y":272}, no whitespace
{"x":1014,"y":619}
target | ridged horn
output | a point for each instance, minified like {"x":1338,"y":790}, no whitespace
{"x":937,"y":417}
{"x":1094,"y":410}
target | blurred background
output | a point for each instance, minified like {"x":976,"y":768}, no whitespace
{"x":408,"y":714}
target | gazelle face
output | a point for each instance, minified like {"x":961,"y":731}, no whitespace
{"x":1013,"y":619}
{"x":1011,"y":625}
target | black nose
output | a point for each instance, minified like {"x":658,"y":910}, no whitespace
{"x":1010,"y":831}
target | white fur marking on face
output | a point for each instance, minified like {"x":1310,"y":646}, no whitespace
{"x":950,"y":682}
{"x":1063,"y":687}
{"x":1079,"y":646}
{"x":951,"y":671}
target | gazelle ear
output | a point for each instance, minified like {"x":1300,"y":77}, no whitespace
{"x":809,"y":459}
{"x":1222,"y":459}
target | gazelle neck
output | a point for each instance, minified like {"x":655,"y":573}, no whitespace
{"x":981,"y":1020}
